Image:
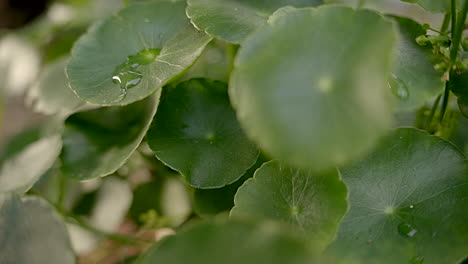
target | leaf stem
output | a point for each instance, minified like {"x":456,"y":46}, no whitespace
{"x":433,"y":110}
{"x":446,"y":22}
{"x":444,"y":102}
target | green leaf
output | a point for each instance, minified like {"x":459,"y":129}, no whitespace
{"x":316,"y":96}
{"x":435,"y":5}
{"x":106,"y":66}
{"x":312,"y":203}
{"x":31,"y":232}
{"x":234,"y":20}
{"x":26,"y":157}
{"x":209,"y":202}
{"x":98,"y":142}
{"x":414,"y":80}
{"x":230,"y":242}
{"x":407,"y":201}
{"x":196,"y":133}
{"x":51,"y":94}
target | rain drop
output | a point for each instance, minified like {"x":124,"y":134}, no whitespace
{"x":126,"y":74}
{"x":398,"y":87}
{"x":406,"y":230}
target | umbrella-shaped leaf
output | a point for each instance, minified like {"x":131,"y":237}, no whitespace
{"x":408,"y":202}
{"x":132,"y":54}
{"x":196,"y":133}
{"x":311,"y":87}
{"x":312,"y":203}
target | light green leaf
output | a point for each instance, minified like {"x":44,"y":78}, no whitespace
{"x":234,"y":20}
{"x":98,"y":142}
{"x":132,"y":54}
{"x":312,"y":203}
{"x":231,"y":242}
{"x":26,"y":157}
{"x":311,"y":87}
{"x":414,"y":80}
{"x":196,"y":133}
{"x":408,"y":202}
{"x":51,"y":94}
{"x":31,"y":232}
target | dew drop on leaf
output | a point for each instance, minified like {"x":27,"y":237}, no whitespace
{"x":127,"y":75}
{"x":406,"y":230}
{"x":398,"y":87}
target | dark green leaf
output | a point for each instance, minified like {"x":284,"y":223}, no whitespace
{"x":208,"y":202}
{"x":234,"y":20}
{"x":98,"y":142}
{"x":103,"y":69}
{"x":414,"y":80}
{"x":408,"y":200}
{"x":312,"y":203}
{"x":31,"y":232}
{"x":231,"y":242}
{"x":196,"y":133}
{"x":316,"y":96}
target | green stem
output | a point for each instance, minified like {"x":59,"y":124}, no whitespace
{"x":126,"y":2}
{"x":457,"y":29}
{"x":433,"y":110}
{"x":446,"y":22}
{"x":444,"y":102}
{"x":62,"y":186}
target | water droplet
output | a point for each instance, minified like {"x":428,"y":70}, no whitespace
{"x":406,"y":230}
{"x":417,"y":260}
{"x":398,"y":87}
{"x":411,"y":206}
{"x":127,"y":75}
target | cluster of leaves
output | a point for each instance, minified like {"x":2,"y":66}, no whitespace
{"x":290,"y":115}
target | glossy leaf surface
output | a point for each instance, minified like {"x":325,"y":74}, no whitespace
{"x":98,"y":142}
{"x":316,"y":96}
{"x":106,"y":66}
{"x":234,"y":20}
{"x":407,"y":202}
{"x":196,"y":133}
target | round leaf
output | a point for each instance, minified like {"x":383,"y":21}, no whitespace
{"x":26,"y":157}
{"x":234,"y":20}
{"x":407,"y":202}
{"x":98,"y":142}
{"x":414,"y":80}
{"x":31,"y":232}
{"x":311,"y":87}
{"x":230,"y":242}
{"x":196,"y":133}
{"x":105,"y":67}
{"x":51,"y":94}
{"x":313,"y":203}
